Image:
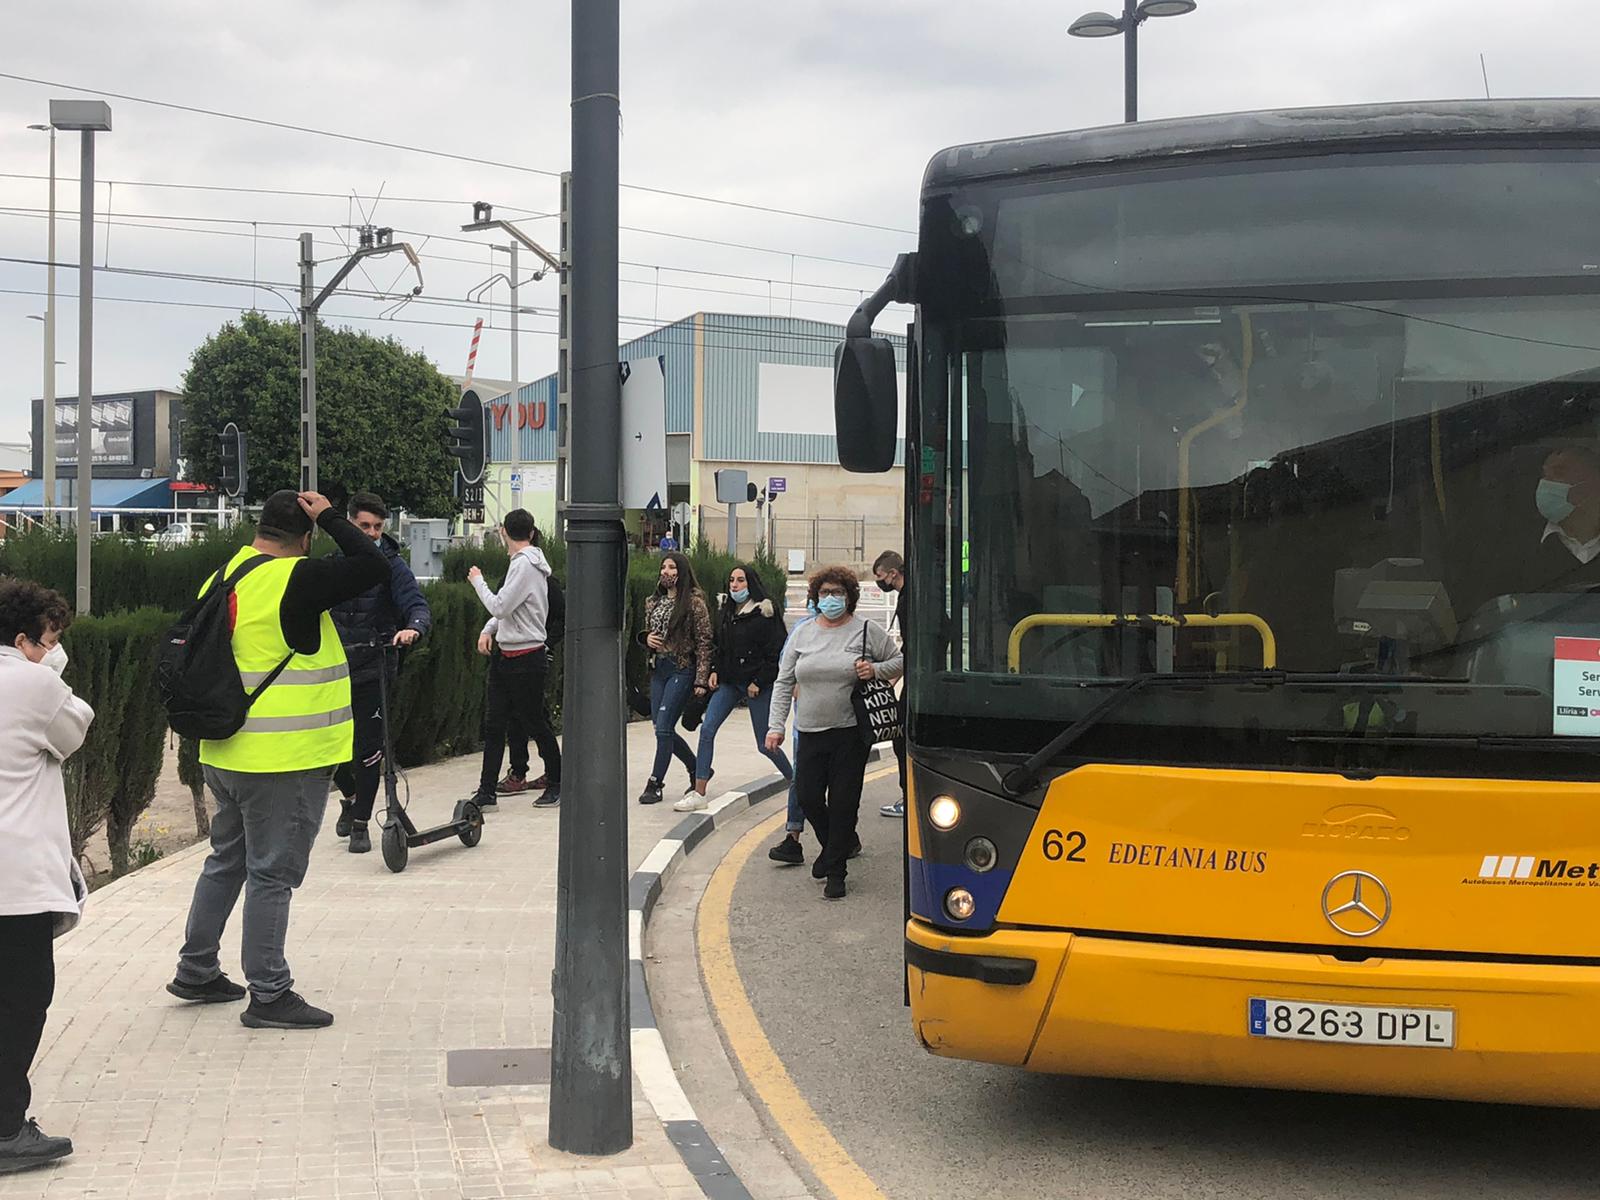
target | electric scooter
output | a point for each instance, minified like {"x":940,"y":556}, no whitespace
{"x":399,"y":833}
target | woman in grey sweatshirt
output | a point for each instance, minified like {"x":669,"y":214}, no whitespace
{"x":827,"y":657}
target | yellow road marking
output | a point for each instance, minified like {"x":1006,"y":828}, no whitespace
{"x":828,"y":1160}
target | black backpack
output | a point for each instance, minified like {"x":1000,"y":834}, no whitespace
{"x":555,"y":621}
{"x":195,"y":669}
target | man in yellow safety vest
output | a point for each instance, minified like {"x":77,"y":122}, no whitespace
{"x":271,"y":778}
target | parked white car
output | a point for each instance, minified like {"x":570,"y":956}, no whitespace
{"x":178,"y":534}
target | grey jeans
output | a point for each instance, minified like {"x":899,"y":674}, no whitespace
{"x":260,"y":841}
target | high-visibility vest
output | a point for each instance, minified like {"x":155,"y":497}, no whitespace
{"x":303,"y":719}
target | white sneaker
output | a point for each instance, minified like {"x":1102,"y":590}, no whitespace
{"x":691,"y":802}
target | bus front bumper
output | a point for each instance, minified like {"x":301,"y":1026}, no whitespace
{"x":1071,"y":1004}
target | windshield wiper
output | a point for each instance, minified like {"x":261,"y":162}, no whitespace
{"x":1025,"y":777}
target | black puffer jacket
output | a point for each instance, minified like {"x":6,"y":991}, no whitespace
{"x":748,"y":644}
{"x":379,"y":612}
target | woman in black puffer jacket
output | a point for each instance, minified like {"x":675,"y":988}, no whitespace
{"x":749,"y":640}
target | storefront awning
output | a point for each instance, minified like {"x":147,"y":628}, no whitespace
{"x":105,"y":495}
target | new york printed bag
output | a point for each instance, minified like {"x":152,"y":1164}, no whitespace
{"x":878,"y":715}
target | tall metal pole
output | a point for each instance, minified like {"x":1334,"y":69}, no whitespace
{"x":1130,"y":61}
{"x":85,"y":364}
{"x":48,"y":417}
{"x":563,"y":347}
{"x":591,"y":1083}
{"x":516,"y":391}
{"x":308,"y":366}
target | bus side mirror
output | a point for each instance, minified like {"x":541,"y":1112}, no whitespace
{"x":866,"y":404}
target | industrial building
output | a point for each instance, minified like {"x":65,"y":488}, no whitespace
{"x":740,"y":392}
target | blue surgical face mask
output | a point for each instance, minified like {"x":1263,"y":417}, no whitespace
{"x":831,"y":607}
{"x":1551,"y":498}
{"x":740,"y":596}
{"x":811,"y":607}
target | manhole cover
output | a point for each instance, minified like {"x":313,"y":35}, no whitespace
{"x":497,"y":1068}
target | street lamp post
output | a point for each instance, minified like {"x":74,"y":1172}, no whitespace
{"x":483,"y":219}
{"x":1134,"y":14}
{"x":89,"y":117}
{"x":47,"y":416}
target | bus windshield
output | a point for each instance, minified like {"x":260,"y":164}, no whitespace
{"x":1315,"y":442}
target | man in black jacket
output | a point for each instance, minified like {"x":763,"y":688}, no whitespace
{"x":890,"y":569}
{"x":393,"y":613}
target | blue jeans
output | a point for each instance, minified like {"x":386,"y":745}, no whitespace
{"x":723,"y":701}
{"x":670,"y":688}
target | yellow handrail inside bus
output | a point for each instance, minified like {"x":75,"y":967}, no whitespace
{"x":1269,"y":643}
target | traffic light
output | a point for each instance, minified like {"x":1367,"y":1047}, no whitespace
{"x":233,"y":475}
{"x":468,"y":440}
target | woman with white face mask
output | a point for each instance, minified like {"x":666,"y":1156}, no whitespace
{"x":41,"y":888}
{"x":826,"y":658}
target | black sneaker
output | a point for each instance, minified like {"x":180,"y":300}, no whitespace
{"x":342,"y":828}
{"x":220,"y":990}
{"x":288,"y":1011}
{"x":360,"y":839}
{"x":485,"y":802}
{"x":30,"y":1146}
{"x":855,"y":851}
{"x":652,"y":792}
{"x":818,"y":872}
{"x":788,"y":852}
{"x":834,"y":889}
{"x":549,"y":798}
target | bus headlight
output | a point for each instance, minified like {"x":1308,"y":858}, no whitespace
{"x":958,"y":902}
{"x":945,"y":812}
{"x":981,"y":854}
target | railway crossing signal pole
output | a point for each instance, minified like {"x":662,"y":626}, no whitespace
{"x":591,"y":1082}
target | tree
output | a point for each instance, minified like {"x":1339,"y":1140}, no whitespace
{"x":381,"y":423}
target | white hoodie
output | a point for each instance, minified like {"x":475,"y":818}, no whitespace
{"x":41,"y":723}
{"x":518,"y":612}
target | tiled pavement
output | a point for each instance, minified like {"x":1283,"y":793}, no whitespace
{"x":165,"y":1099}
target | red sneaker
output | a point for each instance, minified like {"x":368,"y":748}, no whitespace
{"x":511,"y":785}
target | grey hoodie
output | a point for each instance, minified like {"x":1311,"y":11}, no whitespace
{"x":517,"y":612}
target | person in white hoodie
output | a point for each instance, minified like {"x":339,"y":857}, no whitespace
{"x":519,"y":660}
{"x":41,"y":889}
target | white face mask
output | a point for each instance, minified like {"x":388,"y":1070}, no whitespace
{"x":55,"y":658}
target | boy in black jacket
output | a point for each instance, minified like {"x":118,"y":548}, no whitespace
{"x":393,"y":613}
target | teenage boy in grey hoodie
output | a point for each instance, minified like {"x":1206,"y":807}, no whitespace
{"x":519,"y":660}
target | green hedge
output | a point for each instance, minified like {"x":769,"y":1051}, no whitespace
{"x":127,"y":573}
{"x":112,"y":779}
{"x":437,"y":709}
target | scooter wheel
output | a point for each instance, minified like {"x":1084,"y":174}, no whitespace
{"x":470,"y":817}
{"x":395,"y":851}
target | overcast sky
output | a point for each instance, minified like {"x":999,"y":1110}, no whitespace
{"x":829,"y":107}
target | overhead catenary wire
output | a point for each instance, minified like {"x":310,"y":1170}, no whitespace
{"x":446,"y":154}
{"x":142,"y":221}
{"x":297,"y":192}
{"x":637,"y":229}
{"x":823,"y":342}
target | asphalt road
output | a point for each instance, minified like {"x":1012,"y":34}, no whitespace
{"x":825,"y":981}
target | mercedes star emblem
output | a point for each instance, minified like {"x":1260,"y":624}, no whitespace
{"x":1356,"y":903}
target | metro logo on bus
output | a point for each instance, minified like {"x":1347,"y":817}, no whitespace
{"x":1531,"y":871}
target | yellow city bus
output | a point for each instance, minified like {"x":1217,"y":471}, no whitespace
{"x":1253,"y":491}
